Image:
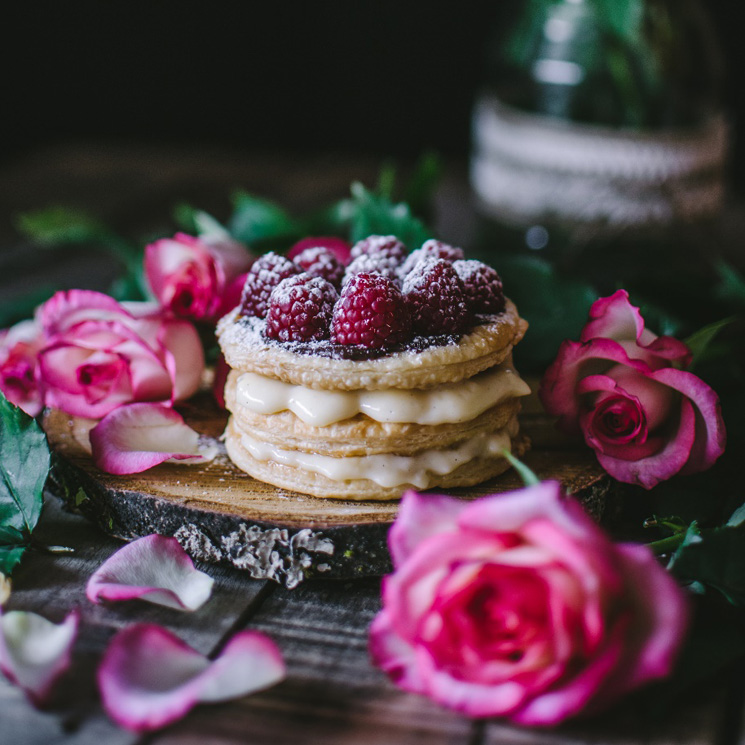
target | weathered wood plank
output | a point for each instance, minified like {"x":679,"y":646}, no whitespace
{"x":695,"y":722}
{"x":333,"y":694}
{"x":321,"y":715}
{"x":54,"y":585}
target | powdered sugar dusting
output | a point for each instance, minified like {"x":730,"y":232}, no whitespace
{"x":431,"y":249}
{"x":387,"y":245}
{"x":320,"y":261}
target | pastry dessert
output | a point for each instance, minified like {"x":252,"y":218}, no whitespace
{"x":362,"y":381}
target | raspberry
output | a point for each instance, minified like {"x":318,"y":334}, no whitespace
{"x":338,"y":246}
{"x":482,"y":285}
{"x":300,"y":309}
{"x":431,"y":249}
{"x":380,"y":244}
{"x":436,"y":298}
{"x":371,"y":312}
{"x":263,"y":276}
{"x":379,"y":263}
{"x":320,"y":261}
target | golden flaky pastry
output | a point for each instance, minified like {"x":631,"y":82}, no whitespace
{"x":308,"y":364}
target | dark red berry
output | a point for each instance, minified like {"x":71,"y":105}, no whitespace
{"x":300,"y":309}
{"x":436,"y":298}
{"x":431,"y":249}
{"x":373,"y":264}
{"x":263,"y":276}
{"x":482,"y":285}
{"x":320,"y":261}
{"x":371,"y":312}
{"x":388,"y":245}
{"x":338,"y":246}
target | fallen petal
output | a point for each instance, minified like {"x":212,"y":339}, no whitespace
{"x":149,"y":678}
{"x":138,"y":436}
{"x":35,"y":652}
{"x":154,"y":568}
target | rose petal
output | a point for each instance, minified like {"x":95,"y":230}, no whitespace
{"x":34,"y":652}
{"x":19,"y":347}
{"x":575,"y":361}
{"x":660,"y":626}
{"x":66,"y":308}
{"x":614,"y":318}
{"x":419,"y":517}
{"x":138,"y":436}
{"x":149,"y":678}
{"x":154,"y":568}
{"x":711,"y":435}
{"x":184,"y":357}
{"x":668,"y":460}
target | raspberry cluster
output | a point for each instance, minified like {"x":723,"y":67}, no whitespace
{"x":373,"y":295}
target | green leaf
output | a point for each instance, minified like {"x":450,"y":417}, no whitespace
{"x":715,"y":558}
{"x":207,"y":225}
{"x":18,"y":308}
{"x":198,"y":222}
{"x":54,"y":225}
{"x":731,"y":287}
{"x":255,"y":220}
{"x":699,"y":342}
{"x":10,"y":556}
{"x":420,"y":190}
{"x":332,"y":220}
{"x":386,"y":180}
{"x":184,"y":215}
{"x":555,"y":306}
{"x":375,"y":215}
{"x":24,"y":466}
{"x":714,"y":643}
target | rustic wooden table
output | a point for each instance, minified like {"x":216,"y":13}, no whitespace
{"x":332,"y":693}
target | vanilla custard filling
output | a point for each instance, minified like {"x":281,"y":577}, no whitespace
{"x":449,"y":403}
{"x":388,"y":470}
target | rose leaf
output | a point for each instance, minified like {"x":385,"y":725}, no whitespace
{"x":376,"y":215}
{"x":55,"y":225}
{"x":715,"y":558}
{"x":700,"y":342}
{"x":24,"y":466}
{"x":555,"y":305}
{"x":255,"y":220}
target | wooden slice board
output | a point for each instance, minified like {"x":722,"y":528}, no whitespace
{"x":220,"y":514}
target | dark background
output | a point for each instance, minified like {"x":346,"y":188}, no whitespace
{"x":380,"y":78}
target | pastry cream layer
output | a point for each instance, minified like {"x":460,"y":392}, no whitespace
{"x":448,"y":403}
{"x":387,"y":470}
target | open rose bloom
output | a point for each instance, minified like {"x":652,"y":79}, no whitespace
{"x":198,"y":278}
{"x":517,"y":605}
{"x":98,"y":354}
{"x":623,"y":388}
{"x":19,"y":346}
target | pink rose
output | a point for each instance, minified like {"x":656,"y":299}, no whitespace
{"x":621,"y":386}
{"x":99,"y":354}
{"x":199,"y":278}
{"x":19,"y":346}
{"x":517,"y":605}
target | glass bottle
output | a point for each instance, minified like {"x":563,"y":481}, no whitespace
{"x":599,"y":143}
